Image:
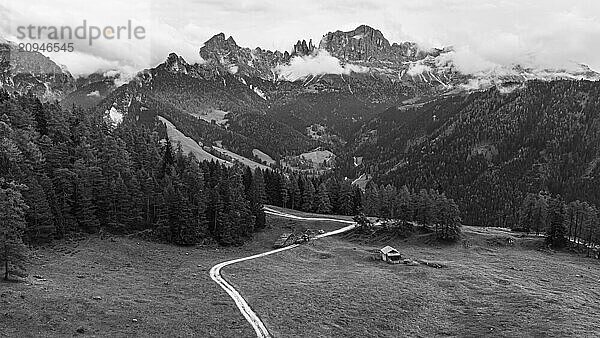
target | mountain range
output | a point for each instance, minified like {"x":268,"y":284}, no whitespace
{"x":391,"y":112}
{"x":363,"y":51}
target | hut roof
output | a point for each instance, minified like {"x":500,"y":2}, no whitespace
{"x":388,"y":250}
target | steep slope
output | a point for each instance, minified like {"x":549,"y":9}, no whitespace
{"x":488,"y":149}
{"x":188,"y":145}
{"x":33,"y":72}
{"x":274,"y":99}
{"x":351,"y":76}
{"x":91,"y":90}
{"x":368,"y":44}
{"x":191,"y":93}
{"x":226,"y":55}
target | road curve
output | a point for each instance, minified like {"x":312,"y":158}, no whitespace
{"x":240,"y":302}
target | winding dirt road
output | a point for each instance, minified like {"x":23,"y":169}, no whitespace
{"x":240,"y":302}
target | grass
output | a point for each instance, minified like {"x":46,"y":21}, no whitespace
{"x":263,"y":157}
{"x":334,"y":287}
{"x":145,"y":289}
{"x":330,"y":287}
{"x":213,"y":114}
{"x":239,"y":158}
{"x":188,"y":145}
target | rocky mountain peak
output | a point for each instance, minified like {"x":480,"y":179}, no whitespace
{"x":218,"y":44}
{"x":302,"y":48}
{"x":215,"y":40}
{"x":361,"y":44}
{"x":231,"y":42}
{"x":176,"y":63}
{"x":32,"y":72}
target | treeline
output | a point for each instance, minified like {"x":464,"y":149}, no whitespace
{"x":489,"y":149}
{"x":330,"y":195}
{"x":320,"y":194}
{"x":426,"y":207}
{"x":76,"y":173}
{"x":575,"y":223}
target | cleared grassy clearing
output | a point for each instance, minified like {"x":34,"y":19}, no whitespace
{"x":263,"y":157}
{"x":241,"y":159}
{"x":188,"y":145}
{"x":333,"y":287}
{"x":329,"y":287}
{"x":145,"y":289}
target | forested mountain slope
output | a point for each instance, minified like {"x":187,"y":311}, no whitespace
{"x":488,"y":149}
{"x":78,"y":173}
{"x":188,"y":94}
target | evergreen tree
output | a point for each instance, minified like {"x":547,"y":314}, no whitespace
{"x":372,"y":201}
{"x":403,"y":204}
{"x":294,"y":191}
{"x":63,"y":203}
{"x":285,"y":197}
{"x":388,"y":201}
{"x":13,"y":253}
{"x":424,"y":210}
{"x":346,"y":199}
{"x":193,"y":181}
{"x":449,"y":220}
{"x":526,"y":213}
{"x":181,"y":227}
{"x":323,"y":204}
{"x":557,"y":232}
{"x":540,"y":214}
{"x":258,"y":188}
{"x":39,"y":215}
{"x":357,"y":207}
{"x":308,"y":195}
{"x":333,"y":187}
{"x":168,"y":161}
{"x":83,"y":208}
{"x":242,"y":217}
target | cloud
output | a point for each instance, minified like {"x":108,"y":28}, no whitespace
{"x":417,"y":68}
{"x":484,"y":33}
{"x":321,"y":63}
{"x":466,"y":61}
{"x":121,"y":76}
{"x":161,"y":35}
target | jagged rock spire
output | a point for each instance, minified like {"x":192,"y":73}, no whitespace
{"x":302,"y":48}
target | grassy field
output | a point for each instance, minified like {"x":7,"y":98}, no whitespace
{"x":188,"y":145}
{"x":145,"y":289}
{"x":331,"y":287}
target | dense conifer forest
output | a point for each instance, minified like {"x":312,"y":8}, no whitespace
{"x":526,"y":160}
{"x":488,"y":150}
{"x":75,"y":172}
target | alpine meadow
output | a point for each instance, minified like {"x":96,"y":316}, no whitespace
{"x":338,"y":169}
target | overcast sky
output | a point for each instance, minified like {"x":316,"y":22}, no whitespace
{"x":544,"y":33}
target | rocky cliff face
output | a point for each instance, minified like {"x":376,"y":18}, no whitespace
{"x":301,"y":48}
{"x":367,"y":62}
{"x":226,"y":55}
{"x":362,"y":44}
{"x":363,"y":48}
{"x":31,"y":71}
{"x":368,"y":44}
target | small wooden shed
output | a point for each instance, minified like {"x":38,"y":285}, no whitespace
{"x":390,"y":255}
